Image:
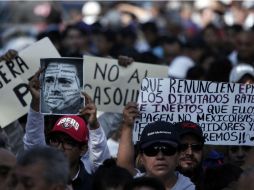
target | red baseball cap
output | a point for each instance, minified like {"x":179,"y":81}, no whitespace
{"x":74,"y":126}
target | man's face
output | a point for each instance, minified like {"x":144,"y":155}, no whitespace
{"x":71,"y":148}
{"x":238,"y":154}
{"x":159,"y":165}
{"x":190,"y":153}
{"x":245,"y":45}
{"x":61,"y":86}
{"x":28,"y":178}
{"x":7,"y":162}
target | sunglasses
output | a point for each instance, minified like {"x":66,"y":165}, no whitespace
{"x":194,"y":147}
{"x":164,"y":149}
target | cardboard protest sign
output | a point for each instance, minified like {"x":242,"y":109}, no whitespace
{"x":14,"y":75}
{"x":112,"y":86}
{"x":225,"y":111}
{"x":61,"y":81}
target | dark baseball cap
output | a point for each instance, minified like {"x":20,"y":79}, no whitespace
{"x":159,"y":132}
{"x":189,"y":127}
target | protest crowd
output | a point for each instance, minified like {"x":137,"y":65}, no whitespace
{"x":188,"y":127}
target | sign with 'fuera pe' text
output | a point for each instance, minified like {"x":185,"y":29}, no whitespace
{"x":14,"y":76}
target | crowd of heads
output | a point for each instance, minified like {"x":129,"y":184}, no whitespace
{"x":200,"y":36}
{"x":199,"y":40}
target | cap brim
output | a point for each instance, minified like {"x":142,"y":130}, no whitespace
{"x":57,"y":131}
{"x":196,"y":134}
{"x":171,"y":143}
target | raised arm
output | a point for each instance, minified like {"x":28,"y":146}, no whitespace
{"x":97,"y":144}
{"x":125,"y":156}
{"x":34,"y":134}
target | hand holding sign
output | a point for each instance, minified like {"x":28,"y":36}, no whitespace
{"x":130,"y":112}
{"x":15,"y":73}
{"x":89,"y":112}
{"x":9,"y":55}
{"x":224,"y":111}
{"x":34,"y":88}
{"x":125,"y":61}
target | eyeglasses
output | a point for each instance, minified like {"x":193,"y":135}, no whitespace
{"x":235,"y":149}
{"x":66,"y":143}
{"x":194,"y":147}
{"x":154,"y":150}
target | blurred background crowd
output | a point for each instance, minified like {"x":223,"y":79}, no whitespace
{"x":199,"y":40}
{"x":194,"y":38}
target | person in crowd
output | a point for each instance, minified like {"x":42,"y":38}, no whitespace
{"x":241,"y":155}
{"x":242,"y":73}
{"x":141,"y":183}
{"x":158,"y":148}
{"x":172,"y":47}
{"x":70,"y":135}
{"x":91,"y":151}
{"x":106,"y":44}
{"x":238,"y":154}
{"x":213,"y":158}
{"x":113,"y":142}
{"x":246,"y":180}
{"x":179,"y":67}
{"x":220,"y":177}
{"x":191,"y":151}
{"x":7,"y":162}
{"x":40,"y":168}
{"x":4,"y":141}
{"x":13,"y":132}
{"x":110,"y":176}
{"x":75,"y":40}
{"x":244,"y":49}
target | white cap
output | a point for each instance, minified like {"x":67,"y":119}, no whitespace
{"x":91,"y":11}
{"x":179,"y":67}
{"x":91,"y":8}
{"x":239,"y":71}
{"x":202,"y":4}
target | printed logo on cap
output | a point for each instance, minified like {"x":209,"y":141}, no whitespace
{"x":158,"y":132}
{"x":68,"y":123}
{"x":189,"y":125}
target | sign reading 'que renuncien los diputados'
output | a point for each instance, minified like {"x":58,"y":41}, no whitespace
{"x":225,"y":111}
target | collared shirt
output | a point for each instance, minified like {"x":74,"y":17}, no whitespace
{"x":83,"y":180}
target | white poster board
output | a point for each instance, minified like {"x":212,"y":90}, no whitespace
{"x":112,"y":86}
{"x":225,"y":111}
{"x":15,"y":97}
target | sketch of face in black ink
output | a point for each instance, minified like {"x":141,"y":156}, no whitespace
{"x":61,"y":86}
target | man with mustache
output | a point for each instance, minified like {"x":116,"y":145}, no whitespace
{"x":158,"y":150}
{"x":191,"y":151}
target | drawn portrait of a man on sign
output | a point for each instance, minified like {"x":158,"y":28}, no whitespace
{"x":61,"y":83}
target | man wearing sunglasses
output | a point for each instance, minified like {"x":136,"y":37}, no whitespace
{"x":158,"y":150}
{"x":191,"y":151}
